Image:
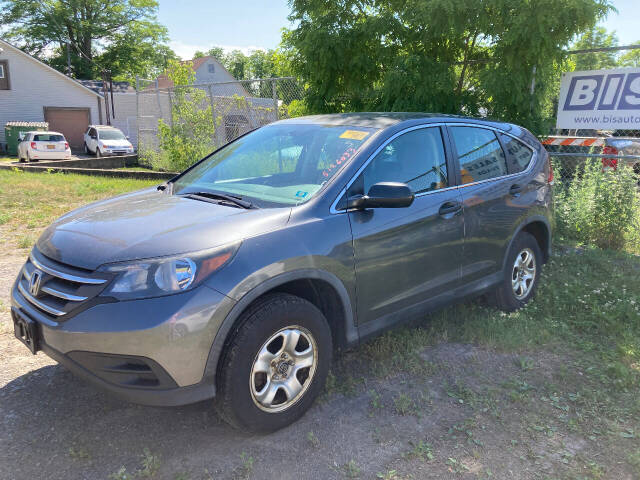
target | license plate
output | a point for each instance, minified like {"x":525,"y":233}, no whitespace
{"x":26,"y":330}
{"x":51,"y":147}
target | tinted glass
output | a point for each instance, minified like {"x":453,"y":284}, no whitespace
{"x":479,"y":152}
{"x":416,"y":158}
{"x":111,"y":134}
{"x":518,"y":154}
{"x":276,"y":165}
{"x":45,"y":137}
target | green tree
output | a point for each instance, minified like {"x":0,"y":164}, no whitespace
{"x":189,"y":136}
{"x":451,"y":56}
{"x":98,"y":33}
{"x":631,"y":58}
{"x":597,"y":37}
{"x":238,"y":64}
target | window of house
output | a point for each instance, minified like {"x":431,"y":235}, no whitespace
{"x":4,"y":75}
{"x":479,"y":152}
{"x":518,"y":154}
{"x":211,"y":67}
{"x":416,"y":158}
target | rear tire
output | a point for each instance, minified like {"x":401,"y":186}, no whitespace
{"x":275,"y":365}
{"x":86,"y":149}
{"x":521,"y":276}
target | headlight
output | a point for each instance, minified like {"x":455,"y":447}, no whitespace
{"x":166,"y":275}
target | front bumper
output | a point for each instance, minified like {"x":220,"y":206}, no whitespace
{"x":117,"y":152}
{"x":151,"y":351}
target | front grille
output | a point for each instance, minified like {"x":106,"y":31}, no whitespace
{"x":56,"y":289}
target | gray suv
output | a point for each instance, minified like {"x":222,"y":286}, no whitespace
{"x":239,"y":277}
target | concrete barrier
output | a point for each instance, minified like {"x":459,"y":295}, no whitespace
{"x":139,"y":174}
{"x":108,"y":163}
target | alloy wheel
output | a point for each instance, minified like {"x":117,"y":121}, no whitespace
{"x":283,"y":369}
{"x":523,"y":274}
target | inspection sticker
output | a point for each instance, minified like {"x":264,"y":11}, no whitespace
{"x":301,"y":194}
{"x":354,"y":134}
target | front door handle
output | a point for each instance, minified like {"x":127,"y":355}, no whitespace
{"x":449,"y":209}
{"x":516,"y":190}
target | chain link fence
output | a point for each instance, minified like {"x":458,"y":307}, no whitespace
{"x":235,"y":108}
{"x":571,"y":149}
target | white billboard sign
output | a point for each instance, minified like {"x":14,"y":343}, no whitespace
{"x":600,"y":100}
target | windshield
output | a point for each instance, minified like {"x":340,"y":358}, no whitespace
{"x":277,"y":165}
{"x":111,"y":134}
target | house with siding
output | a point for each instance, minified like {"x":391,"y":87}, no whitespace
{"x":32,"y":91}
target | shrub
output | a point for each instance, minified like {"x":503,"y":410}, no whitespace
{"x":190,"y":134}
{"x":599,"y":208}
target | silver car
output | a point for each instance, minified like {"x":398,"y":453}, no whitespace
{"x":239,"y":277}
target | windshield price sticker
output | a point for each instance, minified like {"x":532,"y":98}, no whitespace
{"x":354,"y":134}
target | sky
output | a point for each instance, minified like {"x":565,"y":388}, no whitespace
{"x":252,"y":24}
{"x":626,"y":22}
{"x":243,"y":24}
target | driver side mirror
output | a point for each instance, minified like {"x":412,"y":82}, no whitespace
{"x":383,"y":195}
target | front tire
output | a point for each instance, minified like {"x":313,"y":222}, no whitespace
{"x":275,"y":365}
{"x":521,"y":276}
{"x":98,"y":154}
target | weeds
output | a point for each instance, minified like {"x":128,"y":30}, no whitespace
{"x":599,"y":208}
{"x":150,"y":464}
{"x":421,"y":451}
{"x":405,"y":405}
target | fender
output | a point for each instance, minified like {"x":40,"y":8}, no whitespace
{"x":351,"y":332}
{"x":521,"y":226}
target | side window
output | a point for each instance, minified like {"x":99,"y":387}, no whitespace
{"x":518,"y":154}
{"x":4,"y":75}
{"x":480,"y":154}
{"x":416,"y":158}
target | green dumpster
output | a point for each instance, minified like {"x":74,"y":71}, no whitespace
{"x":14,"y":130}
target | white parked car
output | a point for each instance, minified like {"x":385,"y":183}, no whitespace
{"x":43,"y":146}
{"x":103,"y":140}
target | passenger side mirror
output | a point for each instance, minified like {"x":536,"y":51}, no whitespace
{"x":383,"y":195}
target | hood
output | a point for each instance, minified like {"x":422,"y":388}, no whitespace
{"x":149,"y":224}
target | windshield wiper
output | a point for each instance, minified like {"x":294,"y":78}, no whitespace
{"x":219,"y":196}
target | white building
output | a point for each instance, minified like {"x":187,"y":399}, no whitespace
{"x":31,"y":91}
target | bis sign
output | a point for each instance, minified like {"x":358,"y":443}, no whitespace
{"x":600,"y":99}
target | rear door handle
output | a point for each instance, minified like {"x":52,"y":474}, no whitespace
{"x":448,"y":209}
{"x":516,"y":189}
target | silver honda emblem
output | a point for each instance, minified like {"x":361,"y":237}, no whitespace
{"x":34,"y":282}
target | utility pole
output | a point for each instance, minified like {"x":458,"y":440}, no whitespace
{"x":68,"y":60}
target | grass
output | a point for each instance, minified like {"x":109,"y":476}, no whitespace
{"x":586,"y":312}
{"x":8,"y":159}
{"x":29,"y":202}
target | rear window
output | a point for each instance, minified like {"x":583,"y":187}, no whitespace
{"x":45,"y":137}
{"x":518,"y":154}
{"x":480,"y":154}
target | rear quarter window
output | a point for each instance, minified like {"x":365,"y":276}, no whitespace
{"x":519,"y":155}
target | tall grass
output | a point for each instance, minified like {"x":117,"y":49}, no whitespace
{"x":599,"y":208}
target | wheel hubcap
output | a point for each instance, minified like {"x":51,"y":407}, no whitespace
{"x":524,"y":273}
{"x":283,"y":369}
